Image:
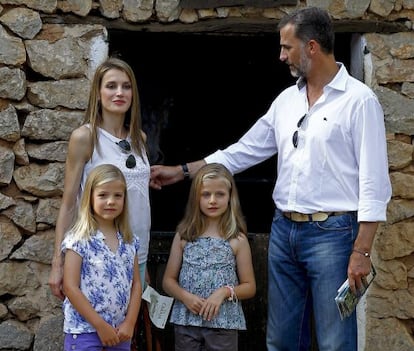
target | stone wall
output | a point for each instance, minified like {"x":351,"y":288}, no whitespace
{"x":48,"y":50}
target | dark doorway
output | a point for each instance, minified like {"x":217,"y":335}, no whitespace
{"x":202,"y":92}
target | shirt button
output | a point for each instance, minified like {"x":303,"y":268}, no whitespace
{"x":73,"y":347}
{"x":75,"y":336}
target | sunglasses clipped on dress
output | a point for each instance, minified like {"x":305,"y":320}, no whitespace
{"x":126,"y":147}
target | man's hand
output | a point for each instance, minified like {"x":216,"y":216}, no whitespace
{"x":358,"y":268}
{"x":165,"y":175}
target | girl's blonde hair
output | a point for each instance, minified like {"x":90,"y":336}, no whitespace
{"x":86,"y":224}
{"x":194,"y":222}
{"x":133,"y":120}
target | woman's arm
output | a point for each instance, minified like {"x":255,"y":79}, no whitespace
{"x":79,"y":152}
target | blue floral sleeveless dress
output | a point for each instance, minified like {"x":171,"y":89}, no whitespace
{"x":208,"y":264}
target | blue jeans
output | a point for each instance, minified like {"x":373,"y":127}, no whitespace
{"x":307,"y":263}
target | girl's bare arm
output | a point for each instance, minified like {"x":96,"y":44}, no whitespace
{"x":247,"y":282}
{"x":170,"y":279}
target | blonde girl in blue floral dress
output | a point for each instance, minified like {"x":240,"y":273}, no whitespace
{"x":101,"y":273}
{"x":210,"y":269}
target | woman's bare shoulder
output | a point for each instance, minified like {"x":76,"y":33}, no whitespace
{"x":81,"y":134}
{"x":80,"y":143}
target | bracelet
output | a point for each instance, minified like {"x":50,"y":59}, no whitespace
{"x":233,"y":296}
{"x":366,"y":253}
{"x":231,"y":291}
{"x":185,"y":171}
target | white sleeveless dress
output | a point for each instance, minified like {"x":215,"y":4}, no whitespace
{"x":137,"y":180}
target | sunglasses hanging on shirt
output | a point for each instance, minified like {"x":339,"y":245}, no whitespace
{"x":126,"y":147}
{"x":295,"y":136}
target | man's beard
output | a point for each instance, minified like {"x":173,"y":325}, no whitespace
{"x":301,"y":70}
{"x":296,"y":73}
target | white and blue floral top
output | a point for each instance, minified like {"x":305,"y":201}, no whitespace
{"x":208,"y":264}
{"x":106,"y":280}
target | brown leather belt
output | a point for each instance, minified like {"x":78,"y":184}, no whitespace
{"x":312,"y":217}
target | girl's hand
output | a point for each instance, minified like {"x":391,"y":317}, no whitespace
{"x":125,"y":331}
{"x":211,"y":306}
{"x":193,"y":302}
{"x":107,"y":334}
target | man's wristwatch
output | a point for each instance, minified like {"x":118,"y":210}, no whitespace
{"x":185,"y":171}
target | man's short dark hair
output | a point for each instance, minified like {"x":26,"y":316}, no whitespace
{"x":312,"y":23}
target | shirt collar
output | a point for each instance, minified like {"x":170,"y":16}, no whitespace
{"x":337,"y":83}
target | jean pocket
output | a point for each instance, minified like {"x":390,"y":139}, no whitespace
{"x":337,"y":223}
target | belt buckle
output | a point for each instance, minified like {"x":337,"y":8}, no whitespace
{"x":319,"y":216}
{"x":298,"y":217}
{"x":303,"y":217}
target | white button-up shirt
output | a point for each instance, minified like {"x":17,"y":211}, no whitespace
{"x":340,"y":162}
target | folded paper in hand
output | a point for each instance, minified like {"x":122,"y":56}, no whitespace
{"x":159,"y":306}
{"x":346,"y":300}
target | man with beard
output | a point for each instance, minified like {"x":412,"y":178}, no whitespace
{"x":331,"y":191}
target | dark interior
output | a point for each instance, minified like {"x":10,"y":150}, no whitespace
{"x":202,"y":92}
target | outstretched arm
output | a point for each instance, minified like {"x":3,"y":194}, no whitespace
{"x":166,"y":175}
